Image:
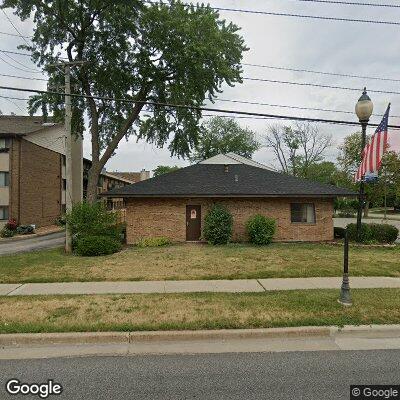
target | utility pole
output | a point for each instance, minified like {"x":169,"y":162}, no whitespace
{"x":73,"y":152}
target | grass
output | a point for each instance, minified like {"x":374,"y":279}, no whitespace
{"x":196,"y":311}
{"x":190,"y":262}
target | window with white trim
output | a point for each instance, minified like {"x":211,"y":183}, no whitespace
{"x":303,"y":213}
{"x":3,"y":213}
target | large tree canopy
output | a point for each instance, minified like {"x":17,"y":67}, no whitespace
{"x":165,"y":52}
{"x":224,"y":135}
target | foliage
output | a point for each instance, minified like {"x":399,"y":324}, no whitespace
{"x":164,"y":169}
{"x":350,"y":153}
{"x":6,"y":233}
{"x":297,"y":147}
{"x":161,"y":52}
{"x":224,"y":135}
{"x":339,"y":233}
{"x":61,"y":220}
{"x":154,"y":242}
{"x":218,"y":225}
{"x":92,"y":220}
{"x":11,"y":225}
{"x":94,"y":245}
{"x":25,"y":230}
{"x":323,"y":172}
{"x":374,"y":233}
{"x":261,"y":229}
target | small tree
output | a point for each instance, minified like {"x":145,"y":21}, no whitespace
{"x":224,"y":135}
{"x":261,"y":229}
{"x":164,"y":169}
{"x":218,"y":225}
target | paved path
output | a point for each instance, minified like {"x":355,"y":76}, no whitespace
{"x":252,"y":376}
{"x":49,"y":241}
{"x":218,"y":286}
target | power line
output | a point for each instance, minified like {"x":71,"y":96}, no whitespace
{"x":349,"y":3}
{"x":14,"y":66}
{"x":280,"y":14}
{"x":318,"y":85}
{"x":24,"y":77}
{"x":14,"y":35}
{"x":15,"y":28}
{"x":27,"y":69}
{"x":321,"y":72}
{"x":189,"y":107}
{"x":296,"y":107}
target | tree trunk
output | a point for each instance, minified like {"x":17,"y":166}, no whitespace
{"x":366,"y":209}
{"x":93,"y":179}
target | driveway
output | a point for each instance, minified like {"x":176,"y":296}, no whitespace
{"x":343,"y":222}
{"x":50,"y":241}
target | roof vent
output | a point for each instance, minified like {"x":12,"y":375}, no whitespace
{"x":236,"y":178}
{"x":226,"y":168}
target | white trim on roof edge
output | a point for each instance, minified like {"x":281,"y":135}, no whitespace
{"x":232,"y":159}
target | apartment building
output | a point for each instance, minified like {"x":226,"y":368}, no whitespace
{"x":32,"y":171}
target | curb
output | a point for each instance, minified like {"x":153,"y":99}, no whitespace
{"x":82,"y":338}
{"x":30,"y":236}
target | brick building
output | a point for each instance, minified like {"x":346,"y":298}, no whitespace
{"x":32,"y":171}
{"x":175,"y":204}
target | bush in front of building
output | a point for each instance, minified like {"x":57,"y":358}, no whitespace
{"x":11,"y":225}
{"x":261,"y":229}
{"x":218,"y":225}
{"x":92,"y":245}
{"x":339,"y":233}
{"x":374,"y":233}
{"x":7,"y":233}
{"x":87,"y":219}
{"x":25,"y":230}
{"x":154,"y":242}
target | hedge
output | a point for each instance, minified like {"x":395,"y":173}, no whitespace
{"x":374,"y":233}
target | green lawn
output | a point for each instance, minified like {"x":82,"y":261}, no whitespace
{"x":188,"y":261}
{"x":196,"y":311}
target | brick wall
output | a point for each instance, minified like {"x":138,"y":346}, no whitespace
{"x":167,"y":217}
{"x":35,"y":184}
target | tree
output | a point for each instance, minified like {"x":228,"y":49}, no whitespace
{"x":349,"y":157}
{"x":164,"y":169}
{"x":324,"y":172}
{"x":297,"y":148}
{"x":140,"y":54}
{"x":224,"y":135}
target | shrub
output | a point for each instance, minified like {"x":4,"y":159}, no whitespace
{"x":92,"y":220}
{"x":60,"y":221}
{"x":218,"y":225}
{"x":374,"y":233}
{"x":339,"y":232}
{"x":154,"y":242}
{"x":6,"y":233}
{"x":94,"y":245}
{"x":11,"y":225}
{"x":25,"y":230}
{"x":261,"y":229}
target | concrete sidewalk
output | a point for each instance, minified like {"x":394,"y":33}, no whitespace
{"x":216,"y":286}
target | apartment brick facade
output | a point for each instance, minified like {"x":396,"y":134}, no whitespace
{"x":35,"y":183}
{"x":150,"y":217}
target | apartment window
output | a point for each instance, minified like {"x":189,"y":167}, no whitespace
{"x":4,"y":179}
{"x":303,"y":213}
{"x":5,"y":143}
{"x":3,"y":212}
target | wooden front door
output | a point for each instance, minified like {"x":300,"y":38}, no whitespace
{"x":193,"y":223}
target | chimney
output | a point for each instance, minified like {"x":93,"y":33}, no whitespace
{"x":144,"y":174}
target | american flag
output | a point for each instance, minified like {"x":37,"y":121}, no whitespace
{"x":374,"y":150}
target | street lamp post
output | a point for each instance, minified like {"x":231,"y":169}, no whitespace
{"x":364,"y":109}
{"x":345,"y":297}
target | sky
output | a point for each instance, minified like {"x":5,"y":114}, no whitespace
{"x":331,"y":46}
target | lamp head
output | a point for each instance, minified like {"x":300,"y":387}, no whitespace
{"x":364,"y":107}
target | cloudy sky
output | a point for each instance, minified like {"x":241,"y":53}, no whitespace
{"x":337,"y":47}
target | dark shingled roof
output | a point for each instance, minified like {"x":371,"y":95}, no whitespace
{"x":206,"y":180}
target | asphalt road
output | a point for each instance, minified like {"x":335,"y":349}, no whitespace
{"x":50,"y":241}
{"x":300,"y":375}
